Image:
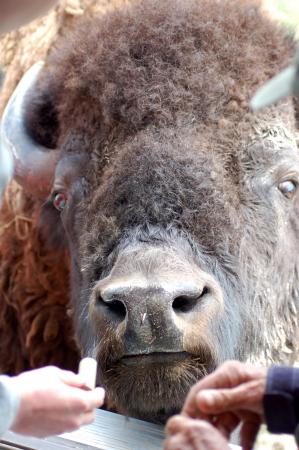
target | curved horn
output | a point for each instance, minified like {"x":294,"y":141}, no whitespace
{"x":34,"y":165}
{"x":6,"y":168}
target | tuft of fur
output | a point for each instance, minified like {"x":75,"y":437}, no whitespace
{"x":158,"y":63}
{"x":21,"y":48}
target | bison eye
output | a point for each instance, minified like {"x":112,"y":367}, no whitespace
{"x":288,"y":188}
{"x":59,"y":200}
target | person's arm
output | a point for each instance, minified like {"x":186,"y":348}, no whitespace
{"x":9,"y":404}
{"x":281,"y":399}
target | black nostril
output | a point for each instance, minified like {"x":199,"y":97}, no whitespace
{"x":185,"y":303}
{"x":114,"y":307}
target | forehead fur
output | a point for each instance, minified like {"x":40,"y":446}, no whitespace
{"x":164,"y":63}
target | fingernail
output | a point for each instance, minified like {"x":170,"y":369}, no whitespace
{"x":102,"y":392}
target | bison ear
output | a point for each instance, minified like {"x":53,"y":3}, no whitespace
{"x":29,"y":131}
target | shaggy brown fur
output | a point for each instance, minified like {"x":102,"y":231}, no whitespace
{"x":151,"y":76}
{"x":154,"y":100}
{"x":22,"y":48}
{"x":35,"y":323}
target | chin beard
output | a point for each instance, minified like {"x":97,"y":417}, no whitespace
{"x":153,"y":392}
{"x":151,"y":386}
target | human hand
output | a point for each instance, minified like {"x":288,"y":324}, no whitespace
{"x":53,"y":401}
{"x":232,"y":394}
{"x":192,"y":434}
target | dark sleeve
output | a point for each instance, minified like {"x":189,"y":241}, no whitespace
{"x":281,"y":400}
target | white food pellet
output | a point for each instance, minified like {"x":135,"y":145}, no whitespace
{"x":88,"y":371}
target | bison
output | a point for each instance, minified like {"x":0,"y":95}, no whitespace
{"x":177,"y":206}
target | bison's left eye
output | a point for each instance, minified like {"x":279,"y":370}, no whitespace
{"x":60,"y":200}
{"x":288,"y":188}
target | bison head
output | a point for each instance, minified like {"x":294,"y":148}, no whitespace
{"x":179,"y":207}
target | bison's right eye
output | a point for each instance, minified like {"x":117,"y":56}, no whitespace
{"x":60,"y":200}
{"x":288,"y":188}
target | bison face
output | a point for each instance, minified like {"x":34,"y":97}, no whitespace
{"x":149,"y":296}
{"x":178,"y":206}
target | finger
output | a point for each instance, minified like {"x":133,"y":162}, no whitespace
{"x":76,"y":421}
{"x":88,"y":418}
{"x":247,"y":396}
{"x":176,"y":424}
{"x":249,"y":431}
{"x":177,"y":442}
{"x":204,"y":436}
{"x":180,"y":423}
{"x":219,"y":401}
{"x":200,"y":434}
{"x":231,"y":374}
{"x":226,"y":423}
{"x":228,"y":375}
{"x":71,"y":379}
{"x":95,"y":397}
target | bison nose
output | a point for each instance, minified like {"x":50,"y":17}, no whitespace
{"x":186,"y":302}
{"x":150,"y":315}
{"x":112,"y":300}
{"x":132,"y":299}
{"x":153,"y":314}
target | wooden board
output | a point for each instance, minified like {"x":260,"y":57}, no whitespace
{"x":108,"y":432}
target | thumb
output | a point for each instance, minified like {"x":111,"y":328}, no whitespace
{"x":72,"y":379}
{"x":95,"y":397}
{"x":247,"y":396}
{"x":219,"y":401}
